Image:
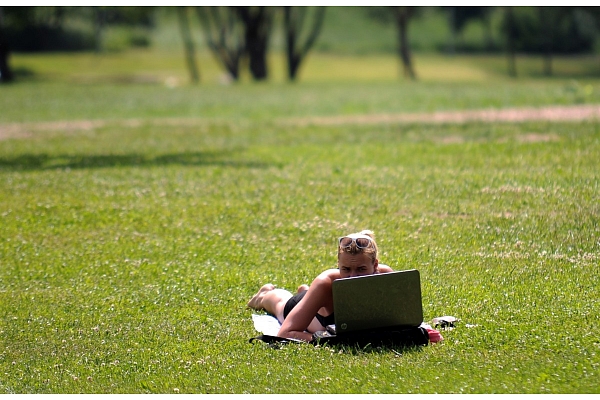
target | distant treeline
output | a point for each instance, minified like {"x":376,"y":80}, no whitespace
{"x":51,"y":28}
{"x":240,"y":33}
{"x":568,"y":30}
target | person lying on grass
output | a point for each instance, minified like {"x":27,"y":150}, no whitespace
{"x":311,"y":308}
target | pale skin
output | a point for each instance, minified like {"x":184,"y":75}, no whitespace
{"x":301,"y":322}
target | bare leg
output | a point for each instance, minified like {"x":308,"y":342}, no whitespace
{"x":273,"y":301}
{"x":256,"y":301}
{"x":270,"y":299}
{"x":302,"y":288}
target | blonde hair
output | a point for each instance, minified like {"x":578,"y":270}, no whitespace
{"x":354,"y":249}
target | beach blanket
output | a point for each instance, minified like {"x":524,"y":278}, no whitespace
{"x":269,"y":326}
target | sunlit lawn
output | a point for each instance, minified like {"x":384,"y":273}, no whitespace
{"x":128,"y":248}
{"x":157,"y":66}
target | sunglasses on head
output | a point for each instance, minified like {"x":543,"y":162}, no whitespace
{"x":361,"y":242}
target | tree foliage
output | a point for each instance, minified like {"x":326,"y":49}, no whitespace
{"x":294,"y":25}
{"x":459,"y":17}
{"x":549,"y":31}
{"x":223,"y":32}
{"x":567,"y":30}
{"x":40,"y":29}
{"x":241,"y":35}
{"x":45,"y":28}
{"x":6,"y":74}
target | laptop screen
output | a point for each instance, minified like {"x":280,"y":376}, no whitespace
{"x":386,"y":300}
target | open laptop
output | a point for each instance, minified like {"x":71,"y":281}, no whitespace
{"x":391,"y":299}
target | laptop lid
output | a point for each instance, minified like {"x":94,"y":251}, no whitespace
{"x":377,"y":301}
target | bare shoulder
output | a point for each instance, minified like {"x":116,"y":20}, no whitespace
{"x":382,"y":268}
{"x":327,"y":276}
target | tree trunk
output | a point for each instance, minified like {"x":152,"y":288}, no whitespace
{"x":403,"y":15}
{"x":290,"y":41}
{"x":547,"y":36}
{"x":293,"y":21}
{"x":223,"y":33}
{"x":453,"y":30}
{"x":487,"y":25}
{"x":98,"y":15}
{"x":188,"y":43}
{"x":257,"y":23}
{"x":5,"y":71}
{"x":510,"y":42}
{"x":257,"y":51}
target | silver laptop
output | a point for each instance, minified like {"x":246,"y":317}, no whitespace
{"x":391,"y":299}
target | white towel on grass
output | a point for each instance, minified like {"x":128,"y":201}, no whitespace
{"x":266,"y":324}
{"x":269,"y":325}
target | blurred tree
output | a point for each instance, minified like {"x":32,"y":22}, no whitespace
{"x":5,"y":71}
{"x":257,"y":28}
{"x":188,"y":43}
{"x":16,"y":22}
{"x":236,"y":33}
{"x":550,"y":17}
{"x":32,"y":28}
{"x":99,"y":22}
{"x":45,"y":28}
{"x":486,"y":18}
{"x":511,"y":37}
{"x":224,"y":33}
{"x":103,"y":16}
{"x":23,"y":16}
{"x":294,"y":18}
{"x":459,"y":17}
{"x":402,"y":16}
{"x":548,"y":31}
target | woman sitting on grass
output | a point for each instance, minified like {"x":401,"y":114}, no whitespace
{"x":311,"y":309}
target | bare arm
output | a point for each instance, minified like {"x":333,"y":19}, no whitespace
{"x":318,"y":295}
{"x":382,"y":268}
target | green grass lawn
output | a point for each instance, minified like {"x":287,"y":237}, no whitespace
{"x":154,"y":84}
{"x":128,"y":249}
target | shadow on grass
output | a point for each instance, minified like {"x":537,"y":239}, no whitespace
{"x":398,"y":350}
{"x":67,"y":161}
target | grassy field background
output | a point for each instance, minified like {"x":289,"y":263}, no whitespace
{"x":138,"y":215}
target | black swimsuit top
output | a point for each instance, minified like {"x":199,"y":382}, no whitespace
{"x":293,"y":301}
{"x":328,"y":320}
